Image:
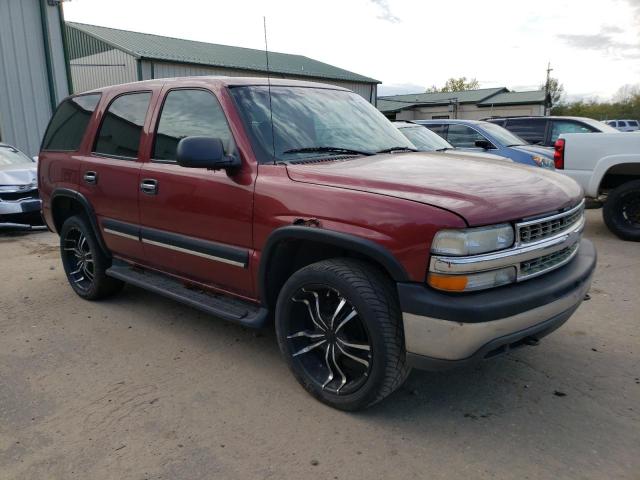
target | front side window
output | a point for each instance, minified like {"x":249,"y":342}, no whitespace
{"x":438,"y":128}
{"x":308,"y":122}
{"x":188,"y":113}
{"x":69,"y":122}
{"x":121,"y":128}
{"x":561,"y":127}
{"x":462,"y":136}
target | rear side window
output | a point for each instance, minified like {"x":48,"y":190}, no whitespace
{"x":188,"y":113}
{"x":633,"y":123}
{"x":532,"y":130}
{"x":561,"y":126}
{"x":69,"y":122}
{"x":121,"y":128}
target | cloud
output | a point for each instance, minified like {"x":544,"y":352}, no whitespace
{"x":399,"y":89}
{"x":604,"y":41}
{"x":385,"y":11}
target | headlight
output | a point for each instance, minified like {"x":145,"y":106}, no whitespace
{"x":472,"y":241}
{"x":543,"y":162}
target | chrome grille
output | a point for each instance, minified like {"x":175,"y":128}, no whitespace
{"x":536,"y":230}
{"x":547,"y":262}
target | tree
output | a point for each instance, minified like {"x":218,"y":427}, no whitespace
{"x":456,"y":85}
{"x":556,"y":91}
{"x":625,"y":104}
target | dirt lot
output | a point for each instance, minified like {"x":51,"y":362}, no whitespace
{"x":139,"y":387}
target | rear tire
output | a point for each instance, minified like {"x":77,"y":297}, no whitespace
{"x":84,"y":262}
{"x":339,"y":328}
{"x":621,"y":211}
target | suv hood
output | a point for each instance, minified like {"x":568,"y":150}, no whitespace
{"x":481,"y":191}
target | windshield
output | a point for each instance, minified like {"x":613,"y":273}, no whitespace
{"x":312,"y":122}
{"x":11,"y":156}
{"x":502,"y":135}
{"x":424,"y":139}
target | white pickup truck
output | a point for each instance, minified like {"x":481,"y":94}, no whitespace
{"x":607,"y":166}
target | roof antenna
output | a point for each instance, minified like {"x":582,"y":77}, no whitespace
{"x":266,"y":52}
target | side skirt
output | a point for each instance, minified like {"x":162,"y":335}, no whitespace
{"x":222,"y":306}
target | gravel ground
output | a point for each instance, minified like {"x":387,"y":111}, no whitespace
{"x":139,"y":387}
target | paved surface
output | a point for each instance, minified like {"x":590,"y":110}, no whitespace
{"x":139,"y":387}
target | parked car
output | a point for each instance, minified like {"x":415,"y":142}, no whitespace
{"x":546,"y":130}
{"x":300,"y":202}
{"x":607,"y":166}
{"x":19,"y":201}
{"x":479,"y":136}
{"x":624,"y":125}
{"x":427,"y":141}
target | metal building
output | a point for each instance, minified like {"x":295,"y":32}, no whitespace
{"x":467,"y":104}
{"x":33,"y":70}
{"x":101,"y":56}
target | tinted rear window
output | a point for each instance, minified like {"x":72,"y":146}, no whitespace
{"x":122,"y":124}
{"x":69,"y":122}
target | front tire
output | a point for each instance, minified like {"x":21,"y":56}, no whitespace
{"x":84,"y":262}
{"x":339,"y":328}
{"x":621,"y":211}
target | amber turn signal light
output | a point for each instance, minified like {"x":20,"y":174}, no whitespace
{"x":450,"y":283}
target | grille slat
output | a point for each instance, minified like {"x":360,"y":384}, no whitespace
{"x":537,"y":231}
{"x":541,"y":264}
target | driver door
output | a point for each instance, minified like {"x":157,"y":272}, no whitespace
{"x":196,"y":223}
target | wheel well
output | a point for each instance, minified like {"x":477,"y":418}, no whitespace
{"x":289,"y":256}
{"x":619,"y":174}
{"x":63,"y":207}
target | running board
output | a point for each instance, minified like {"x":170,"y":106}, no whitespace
{"x":225,"y":307}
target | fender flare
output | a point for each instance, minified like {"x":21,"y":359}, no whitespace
{"x":604,"y":165}
{"x":363,"y":246}
{"x":88,"y":208}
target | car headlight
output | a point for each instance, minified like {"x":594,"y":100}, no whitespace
{"x":472,"y":241}
{"x":543,"y":162}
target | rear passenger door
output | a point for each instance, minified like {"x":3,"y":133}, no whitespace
{"x":196,"y":223}
{"x":109,"y":175}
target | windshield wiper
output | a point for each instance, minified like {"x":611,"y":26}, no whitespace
{"x":327,"y":150}
{"x":444,"y":149}
{"x":397,"y":149}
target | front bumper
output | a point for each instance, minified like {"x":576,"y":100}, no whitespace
{"x":443,"y":330}
{"x":23,"y":213}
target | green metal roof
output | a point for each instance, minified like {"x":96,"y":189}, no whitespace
{"x":156,"y":47}
{"x":482,"y":97}
{"x":444,"y":98}
{"x":514,"y":98}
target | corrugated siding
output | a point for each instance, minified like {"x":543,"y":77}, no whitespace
{"x":167,"y":70}
{"x":25,"y":103}
{"x":110,"y":67}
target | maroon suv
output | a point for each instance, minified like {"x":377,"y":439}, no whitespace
{"x":299,"y":203}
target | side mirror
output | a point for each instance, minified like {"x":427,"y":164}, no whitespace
{"x":486,"y":144}
{"x":204,"y":152}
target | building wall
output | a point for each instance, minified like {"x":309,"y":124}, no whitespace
{"x":32,"y":70}
{"x":110,"y":67}
{"x":470,"y":112}
{"x":154,"y":69}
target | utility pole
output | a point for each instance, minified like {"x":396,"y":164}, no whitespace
{"x":547,"y":93}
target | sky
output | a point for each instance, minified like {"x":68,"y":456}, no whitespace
{"x":409,"y":45}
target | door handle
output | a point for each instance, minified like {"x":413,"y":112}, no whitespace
{"x":91,"y":177}
{"x":149,"y":186}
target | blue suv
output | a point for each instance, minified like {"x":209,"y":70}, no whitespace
{"x":474,"y":135}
